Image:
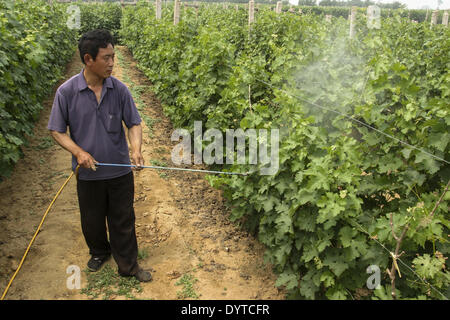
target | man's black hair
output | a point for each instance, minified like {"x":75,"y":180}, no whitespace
{"x":92,"y":40}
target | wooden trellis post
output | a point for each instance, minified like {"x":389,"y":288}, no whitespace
{"x":352,"y":22}
{"x":158,"y":9}
{"x":278,"y":7}
{"x":445,"y":18}
{"x":251,"y":12}
{"x":176,"y":12}
{"x":434,"y":17}
{"x":196,"y":8}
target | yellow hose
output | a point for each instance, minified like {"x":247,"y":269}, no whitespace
{"x":37,"y":231}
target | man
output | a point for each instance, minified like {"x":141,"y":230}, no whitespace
{"x":93,"y":105}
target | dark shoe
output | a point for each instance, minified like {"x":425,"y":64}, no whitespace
{"x":143,"y":276}
{"x":95,"y":263}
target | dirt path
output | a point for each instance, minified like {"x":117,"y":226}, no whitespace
{"x":181,"y":221}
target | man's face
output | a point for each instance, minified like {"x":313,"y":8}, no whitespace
{"x":104,"y":62}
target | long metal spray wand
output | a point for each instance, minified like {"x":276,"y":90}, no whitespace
{"x":169,"y":168}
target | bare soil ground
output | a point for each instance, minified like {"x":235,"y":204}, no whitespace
{"x":181,"y":222}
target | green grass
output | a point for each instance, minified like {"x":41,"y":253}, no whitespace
{"x":158,"y":163}
{"x":121,"y":58}
{"x":161,"y":172}
{"x":149,"y":122}
{"x":45,"y":143}
{"x":161,"y":150}
{"x":136,"y":92}
{"x":107,"y":283}
{"x":187,"y":281}
{"x":164,"y":176}
{"x":142,"y":253}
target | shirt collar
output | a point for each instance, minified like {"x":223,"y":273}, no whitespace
{"x":82,"y":84}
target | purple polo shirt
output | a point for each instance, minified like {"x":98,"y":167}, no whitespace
{"x":96,"y":127}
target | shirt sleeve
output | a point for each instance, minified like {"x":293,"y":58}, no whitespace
{"x":130,"y":113}
{"x":59,"y":115}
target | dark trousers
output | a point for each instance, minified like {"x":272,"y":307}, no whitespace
{"x":112,"y":201}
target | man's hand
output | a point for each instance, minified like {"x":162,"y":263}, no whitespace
{"x":85,"y":160}
{"x":137,"y":159}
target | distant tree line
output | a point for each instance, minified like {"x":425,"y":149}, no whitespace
{"x":336,"y":8}
{"x":350,"y":3}
{"x":323,"y":3}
